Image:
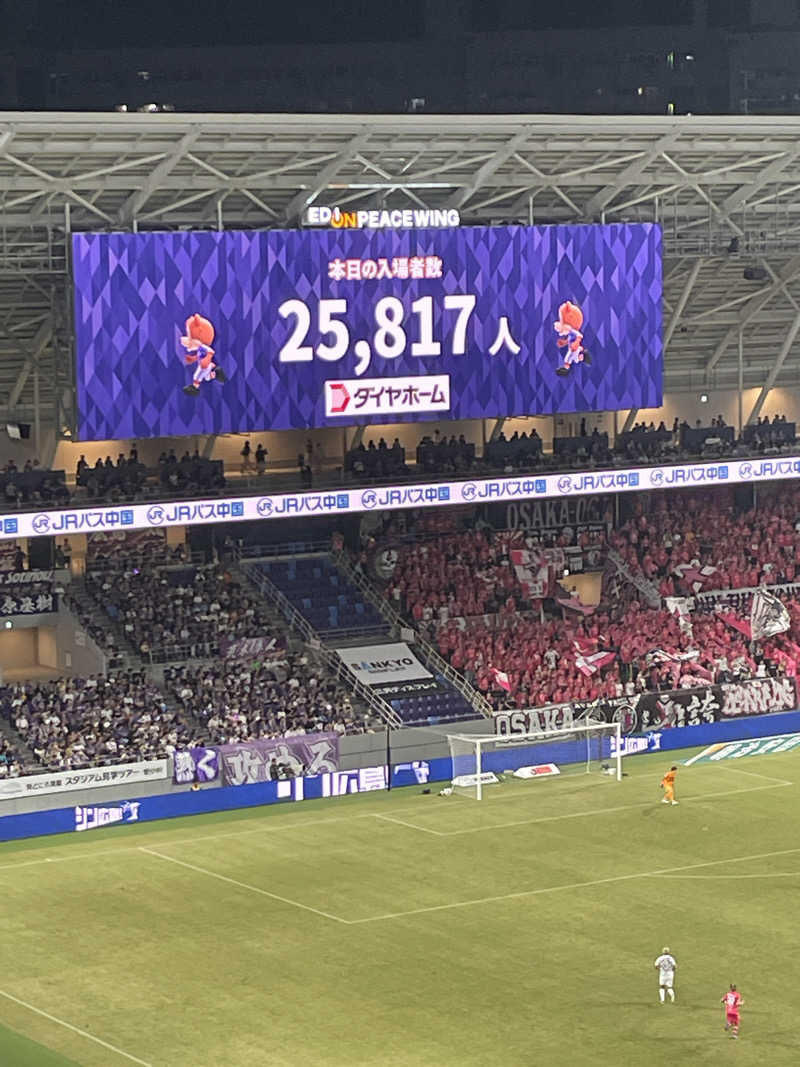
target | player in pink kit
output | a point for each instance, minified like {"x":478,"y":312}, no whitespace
{"x":732,"y":1001}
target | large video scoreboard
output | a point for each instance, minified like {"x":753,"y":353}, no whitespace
{"x":201,"y":332}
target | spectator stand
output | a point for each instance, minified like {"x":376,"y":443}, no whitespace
{"x":473,"y":701}
{"x":33,"y":487}
{"x":718,"y":439}
{"x":172,"y":613}
{"x":586,"y":447}
{"x":332,"y":605}
{"x":127,"y":480}
{"x":438,"y":455}
{"x":12,"y":759}
{"x":373,"y":461}
{"x":770,"y":436}
{"x":75,"y":722}
{"x":291,"y":693}
{"x":299,"y":623}
{"x":519,"y":452}
{"x":192,"y":476}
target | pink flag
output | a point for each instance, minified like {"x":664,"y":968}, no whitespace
{"x":585,"y":645}
{"x":590,"y":665}
{"x":501,"y":678}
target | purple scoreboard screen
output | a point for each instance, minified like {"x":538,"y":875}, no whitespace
{"x":201,"y":333}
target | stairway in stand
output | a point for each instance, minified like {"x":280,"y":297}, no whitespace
{"x":334,"y":607}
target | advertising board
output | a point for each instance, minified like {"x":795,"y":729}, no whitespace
{"x":120,"y":774}
{"x":337,"y":502}
{"x":383,"y":665}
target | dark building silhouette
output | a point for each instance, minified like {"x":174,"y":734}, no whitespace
{"x":715,"y":57}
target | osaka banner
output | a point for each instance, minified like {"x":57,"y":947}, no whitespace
{"x":659,"y":711}
{"x":384,"y":665}
{"x":305,"y":754}
{"x":199,"y":333}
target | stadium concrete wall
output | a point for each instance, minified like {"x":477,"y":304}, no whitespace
{"x":78,"y":655}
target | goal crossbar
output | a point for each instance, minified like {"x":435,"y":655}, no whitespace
{"x":478,"y":758}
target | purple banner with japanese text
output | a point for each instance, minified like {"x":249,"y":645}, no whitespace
{"x":205,"y":332}
{"x":196,"y":764}
{"x":279,"y":757}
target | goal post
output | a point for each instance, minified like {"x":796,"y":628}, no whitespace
{"x":479,"y":760}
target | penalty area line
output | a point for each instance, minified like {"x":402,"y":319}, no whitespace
{"x":74,"y":1029}
{"x":570,"y":886}
{"x":410,"y":825}
{"x":752,"y":774}
{"x":245,"y":885}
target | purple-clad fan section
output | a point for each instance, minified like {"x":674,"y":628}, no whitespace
{"x":280,"y":313}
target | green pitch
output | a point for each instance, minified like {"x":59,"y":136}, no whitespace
{"x":409,"y":930}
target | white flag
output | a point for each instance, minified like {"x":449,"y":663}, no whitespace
{"x":768,"y":616}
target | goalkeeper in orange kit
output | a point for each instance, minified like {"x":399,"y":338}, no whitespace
{"x":668,"y":785}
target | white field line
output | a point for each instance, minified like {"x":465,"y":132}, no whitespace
{"x":410,"y":825}
{"x":752,"y":774}
{"x":288,"y":824}
{"x":245,"y":885}
{"x":737,"y":877}
{"x":606,"y":811}
{"x":74,"y":1029}
{"x":570,"y":886}
{"x":274,"y":825}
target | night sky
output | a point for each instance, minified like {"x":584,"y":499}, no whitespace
{"x":59,"y":24}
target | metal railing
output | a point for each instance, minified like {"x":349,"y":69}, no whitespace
{"x":430,"y":656}
{"x":339,"y":669}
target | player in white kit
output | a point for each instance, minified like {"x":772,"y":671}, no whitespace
{"x":666,"y":974}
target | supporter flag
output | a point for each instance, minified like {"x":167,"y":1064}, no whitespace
{"x":585,"y":645}
{"x":735,"y":623}
{"x":768,"y":616}
{"x":590,"y":665}
{"x":572,"y":603}
{"x":501,"y":678}
{"x":658,"y":655}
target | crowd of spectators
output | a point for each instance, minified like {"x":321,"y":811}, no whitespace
{"x":462,"y":589}
{"x":32,"y":485}
{"x":99,"y":720}
{"x":10,"y":760}
{"x":191,"y":474}
{"x":243,"y":701}
{"x":461,"y":575}
{"x":110,"y":481}
{"x":374,"y":461}
{"x":541,"y":657}
{"x":76,"y":722}
{"x":437,"y":454}
{"x":127,"y":479}
{"x":174,"y":613}
{"x":689,"y":544}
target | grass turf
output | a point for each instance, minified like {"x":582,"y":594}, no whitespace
{"x":405,"y":929}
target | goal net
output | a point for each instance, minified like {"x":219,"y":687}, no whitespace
{"x":481,"y":760}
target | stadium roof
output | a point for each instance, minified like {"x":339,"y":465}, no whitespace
{"x":726,"y":191}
